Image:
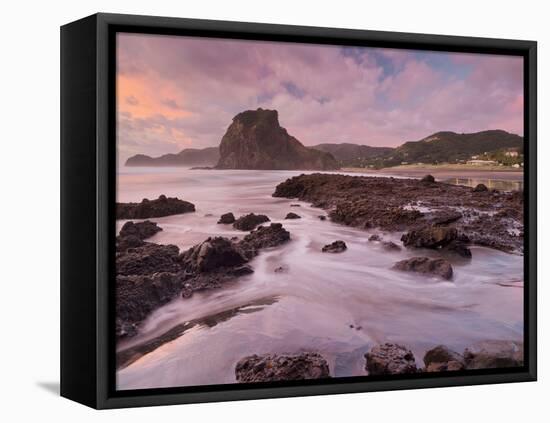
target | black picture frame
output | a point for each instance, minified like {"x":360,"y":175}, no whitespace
{"x":88,"y":200}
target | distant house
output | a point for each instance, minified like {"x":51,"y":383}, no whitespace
{"x":482,"y":162}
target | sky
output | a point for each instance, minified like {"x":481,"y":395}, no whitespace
{"x":177,"y":92}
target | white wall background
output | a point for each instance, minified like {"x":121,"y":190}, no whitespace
{"x":29,"y":143}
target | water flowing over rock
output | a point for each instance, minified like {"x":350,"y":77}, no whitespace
{"x":335,"y":247}
{"x":264,"y":237}
{"x":255,"y":140}
{"x":278,"y":367}
{"x":494,"y":354}
{"x":162,"y":206}
{"x":250,"y":221}
{"x":426,"y":265}
{"x":390,"y":359}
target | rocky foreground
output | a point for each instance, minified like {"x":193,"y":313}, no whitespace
{"x":431,"y":214}
{"x":150,"y":275}
{"x":382,"y":360}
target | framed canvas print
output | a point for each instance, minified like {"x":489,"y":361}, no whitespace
{"x":255,"y":211}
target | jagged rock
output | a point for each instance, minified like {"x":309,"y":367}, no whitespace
{"x":480,"y":188}
{"x":138,"y":295}
{"x":141,"y":230}
{"x":429,"y":237}
{"x":445,"y":217}
{"x":441,"y":358}
{"x":275,"y":367}
{"x":390,"y":359}
{"x":255,"y":140}
{"x":264,"y":237}
{"x":148,"y":259}
{"x":130,"y":241}
{"x":494,"y":354}
{"x":250,"y":221}
{"x":374,"y":238}
{"x":292,"y":216}
{"x":162,"y":206}
{"x":335,"y":247}
{"x":426,"y":265}
{"x":227,"y":219}
{"x":213,"y":254}
{"x":428,"y":178}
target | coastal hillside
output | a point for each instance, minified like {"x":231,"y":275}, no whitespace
{"x":256,"y":140}
{"x":450,"y":147}
{"x":351,"y":155}
{"x":187,"y":157}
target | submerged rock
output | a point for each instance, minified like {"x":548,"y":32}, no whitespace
{"x":441,"y":358}
{"x":426,"y":265}
{"x":375,"y":238}
{"x":162,"y":206}
{"x":390,"y":359}
{"x":278,"y":367}
{"x":335,"y":247}
{"x":250,"y":221}
{"x":293,"y":216}
{"x":494,"y":354}
{"x":321,"y":217}
{"x":227,"y":219}
{"x":391,"y":246}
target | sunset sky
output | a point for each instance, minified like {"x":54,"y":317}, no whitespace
{"x":178,"y":92}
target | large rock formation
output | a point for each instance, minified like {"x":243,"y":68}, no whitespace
{"x":255,"y":140}
{"x":162,"y":206}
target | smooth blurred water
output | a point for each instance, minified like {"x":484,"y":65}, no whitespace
{"x":314,"y":301}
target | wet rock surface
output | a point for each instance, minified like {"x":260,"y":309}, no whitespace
{"x":292,"y":216}
{"x":212,"y":254}
{"x":250,"y":221}
{"x":488,"y":218}
{"x":335,"y":247}
{"x":494,"y":354}
{"x":162,"y":206}
{"x":426,"y":265}
{"x":227,"y":219}
{"x":141,"y":230}
{"x":441,"y":358}
{"x":264,"y":237}
{"x":390,"y":359}
{"x":277,"y":367}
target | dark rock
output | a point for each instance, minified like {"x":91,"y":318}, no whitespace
{"x":441,"y":358}
{"x":213,"y":254}
{"x":494,"y":354}
{"x":428,"y":178}
{"x":148,"y":259}
{"x":375,"y":237}
{"x":274,"y":367}
{"x":436,"y":267}
{"x":480,"y":188}
{"x":390,"y":359}
{"x":255,"y":140}
{"x":227,"y":219}
{"x":130,"y":241}
{"x":321,"y":217}
{"x":295,"y":205}
{"x":141,"y":230}
{"x":430,"y":237}
{"x":139,"y":295}
{"x":293,"y":216}
{"x":335,"y":247}
{"x":250,"y":221}
{"x":445,"y":217}
{"x":459,"y":248}
{"x":264,"y":237}
{"x":391,"y":246}
{"x":242,"y":270}
{"x":160,"y":207}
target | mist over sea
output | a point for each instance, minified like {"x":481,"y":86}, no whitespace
{"x":336,"y":304}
